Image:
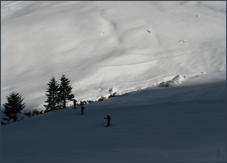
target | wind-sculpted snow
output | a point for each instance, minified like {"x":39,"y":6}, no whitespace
{"x":101,"y":45}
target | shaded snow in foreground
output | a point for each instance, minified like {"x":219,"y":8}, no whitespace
{"x":101,"y":45}
{"x":176,"y":124}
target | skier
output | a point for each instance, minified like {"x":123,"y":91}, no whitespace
{"x":74,"y":103}
{"x":108,"y":118}
{"x":82,"y":108}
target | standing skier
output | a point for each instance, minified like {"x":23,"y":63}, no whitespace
{"x":108,"y":118}
{"x":82,"y":108}
{"x":74,"y":104}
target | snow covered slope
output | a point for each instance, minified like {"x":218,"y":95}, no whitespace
{"x":171,"y":54}
{"x":126,"y":46}
{"x":175,"y":124}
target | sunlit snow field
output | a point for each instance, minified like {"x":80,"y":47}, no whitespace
{"x":101,"y":45}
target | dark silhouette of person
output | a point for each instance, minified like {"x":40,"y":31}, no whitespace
{"x":82,"y":108}
{"x":108,"y":118}
{"x":74,"y":103}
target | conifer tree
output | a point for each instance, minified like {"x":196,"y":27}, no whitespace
{"x":13,"y":106}
{"x":52,"y":95}
{"x":65,"y":91}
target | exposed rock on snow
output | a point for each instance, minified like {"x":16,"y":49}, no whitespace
{"x":173,"y":82}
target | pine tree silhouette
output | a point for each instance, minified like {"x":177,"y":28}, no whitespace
{"x":52,"y":95}
{"x":13,"y":106}
{"x":65,"y":91}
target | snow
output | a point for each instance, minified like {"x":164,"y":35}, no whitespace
{"x":101,"y":45}
{"x":131,"y":49}
{"x":175,"y":124}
